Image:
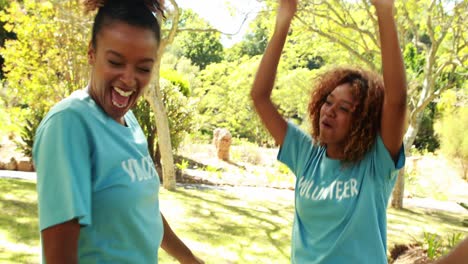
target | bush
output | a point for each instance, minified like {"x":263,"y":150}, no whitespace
{"x":435,"y":245}
{"x":179,"y":112}
{"x":176,"y":79}
{"x":28,"y":131}
{"x":247,"y":152}
{"x":452,"y":132}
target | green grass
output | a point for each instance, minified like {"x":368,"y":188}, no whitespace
{"x":235,"y":225}
{"x":19,"y":235}
{"x":243,"y":226}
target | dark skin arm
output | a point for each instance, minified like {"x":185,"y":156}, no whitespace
{"x":172,"y":244}
{"x":459,"y":255}
{"x":394,"y":105}
{"x":266,"y":73}
{"x":60,"y":243}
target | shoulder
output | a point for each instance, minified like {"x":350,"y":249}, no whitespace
{"x":78,"y":106}
{"x":78,"y":101}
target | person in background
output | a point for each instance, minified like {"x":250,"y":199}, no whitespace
{"x":97,"y":185}
{"x":347,"y":166}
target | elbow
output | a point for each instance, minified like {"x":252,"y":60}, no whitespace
{"x":255,"y":97}
{"x":259,"y":99}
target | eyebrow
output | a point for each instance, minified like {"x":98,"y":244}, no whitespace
{"x":344,"y":101}
{"x":120,"y":56}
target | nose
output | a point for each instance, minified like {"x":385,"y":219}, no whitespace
{"x":128,"y":77}
{"x":330,"y":110}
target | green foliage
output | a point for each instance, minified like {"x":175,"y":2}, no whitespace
{"x":225,"y":101}
{"x":436,"y":246}
{"x":176,"y":79}
{"x":145,"y":116}
{"x":48,"y":58}
{"x":28,"y":131}
{"x":451,"y":129}
{"x":426,"y":140}
{"x":253,"y":43}
{"x":4,"y":35}
{"x":18,"y":222}
{"x":179,"y":112}
{"x":262,"y":222}
{"x":183,"y":164}
{"x":453,"y":124}
{"x":433,"y":244}
{"x":414,"y":60}
{"x":201,"y":46}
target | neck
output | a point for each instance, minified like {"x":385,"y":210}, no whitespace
{"x":335,"y":152}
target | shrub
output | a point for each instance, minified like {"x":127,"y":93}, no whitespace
{"x":179,"y":112}
{"x":28,"y":131}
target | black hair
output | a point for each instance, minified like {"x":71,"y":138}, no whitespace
{"x":139,"y":13}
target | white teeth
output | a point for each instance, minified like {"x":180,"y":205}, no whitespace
{"x":117,"y":104}
{"x":122,"y":92}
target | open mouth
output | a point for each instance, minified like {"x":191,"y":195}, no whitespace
{"x":120,"y":97}
{"x":326,"y":124}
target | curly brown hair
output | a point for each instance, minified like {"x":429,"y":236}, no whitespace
{"x":367,"y":87}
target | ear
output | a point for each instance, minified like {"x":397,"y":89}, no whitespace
{"x":91,"y":53}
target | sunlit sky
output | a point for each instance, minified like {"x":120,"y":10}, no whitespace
{"x":225,"y":15}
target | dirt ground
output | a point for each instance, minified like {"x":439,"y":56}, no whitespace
{"x":8,"y":149}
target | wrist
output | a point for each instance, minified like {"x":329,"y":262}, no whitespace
{"x":187,"y":258}
{"x":385,"y":10}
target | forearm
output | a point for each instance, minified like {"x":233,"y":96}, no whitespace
{"x":174,"y":246}
{"x":266,"y":73}
{"x":392,"y":60}
{"x":60,"y":243}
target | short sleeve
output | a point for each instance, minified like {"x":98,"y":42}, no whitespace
{"x":385,"y":163}
{"x":296,"y":149}
{"x":61,"y":156}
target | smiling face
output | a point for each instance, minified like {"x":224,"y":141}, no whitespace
{"x":122,"y":63}
{"x":336,"y":117}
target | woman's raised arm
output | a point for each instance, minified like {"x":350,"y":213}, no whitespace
{"x":266,"y":73}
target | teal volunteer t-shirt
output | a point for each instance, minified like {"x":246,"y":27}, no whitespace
{"x":340,"y":211}
{"x":94,"y":169}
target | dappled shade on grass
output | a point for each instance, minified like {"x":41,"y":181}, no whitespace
{"x":19,"y":231}
{"x":241,"y":225}
{"x":221,"y":224}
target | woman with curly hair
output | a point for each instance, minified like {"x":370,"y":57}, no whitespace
{"x":97,"y":185}
{"x":346,"y":168}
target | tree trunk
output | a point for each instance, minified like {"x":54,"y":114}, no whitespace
{"x":410,"y":136}
{"x":154,"y":96}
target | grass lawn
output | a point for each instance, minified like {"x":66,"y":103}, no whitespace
{"x":232,"y":225}
{"x":19,"y":235}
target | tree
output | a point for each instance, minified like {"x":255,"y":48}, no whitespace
{"x":224,"y":99}
{"x":155,"y":98}
{"x":254,"y":42}
{"x":48,"y":57}
{"x":4,"y":35}
{"x":201,"y":47}
{"x":435,"y":28}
